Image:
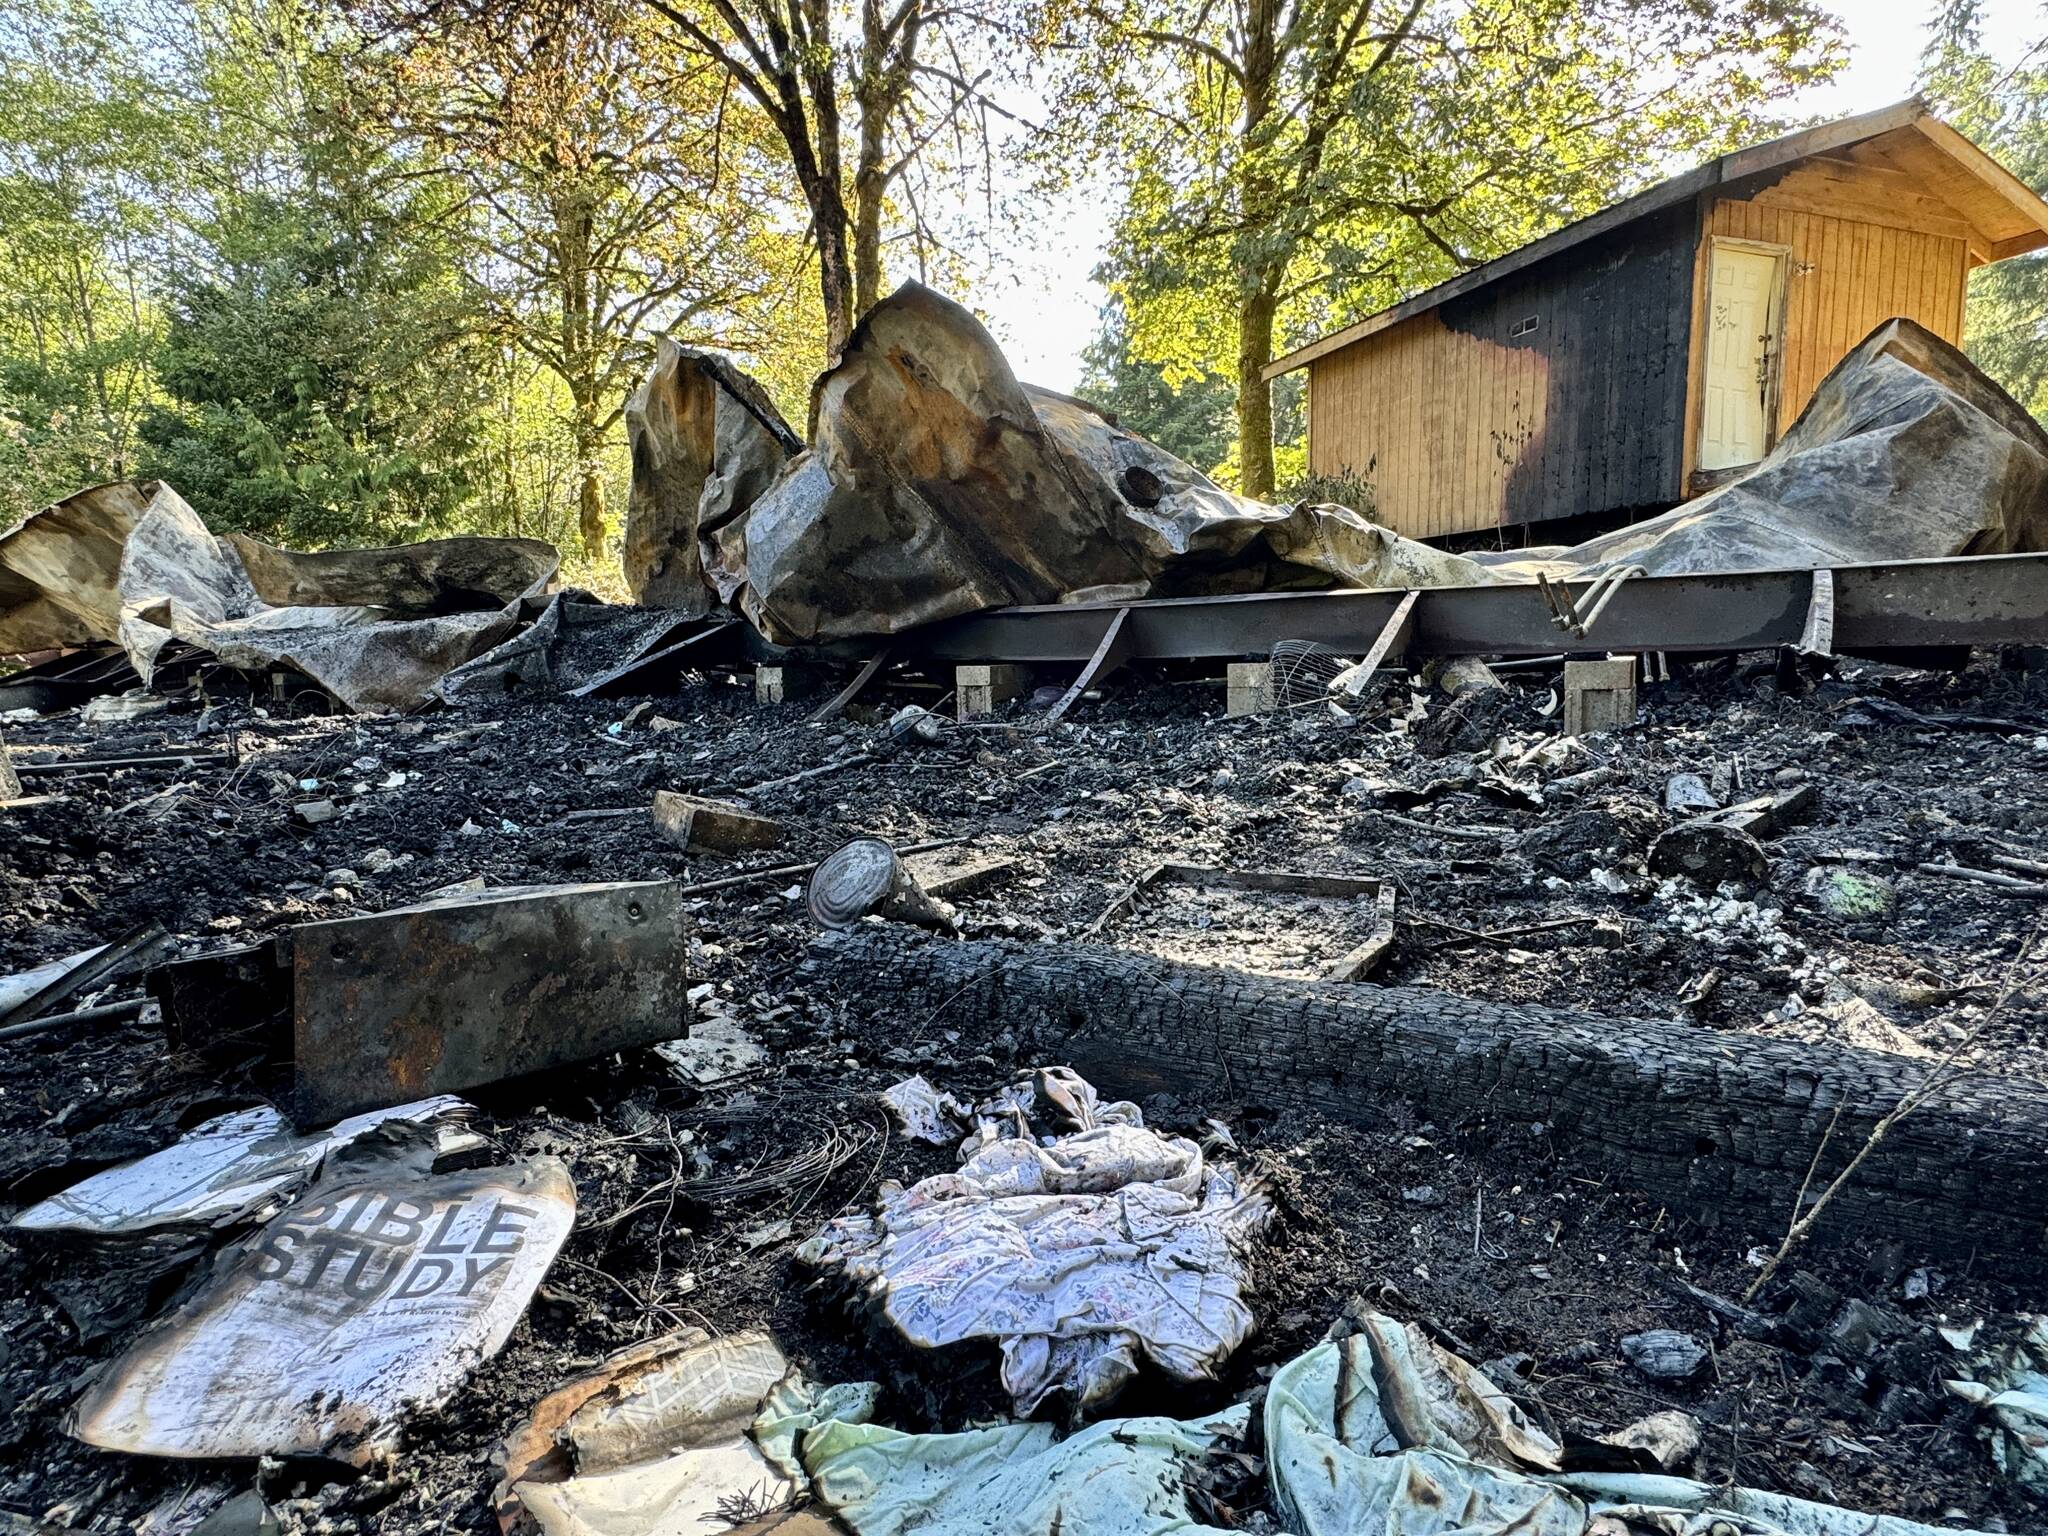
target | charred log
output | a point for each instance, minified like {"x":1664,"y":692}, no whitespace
{"x":1723,"y":1128}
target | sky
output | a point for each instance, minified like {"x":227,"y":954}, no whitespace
{"x":1044,"y":308}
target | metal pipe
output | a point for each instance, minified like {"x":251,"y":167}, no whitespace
{"x":146,"y":1010}
{"x":128,"y":760}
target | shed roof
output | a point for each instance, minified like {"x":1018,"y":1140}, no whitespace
{"x":2004,"y":215}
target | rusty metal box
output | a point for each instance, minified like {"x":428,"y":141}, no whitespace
{"x":466,"y":990}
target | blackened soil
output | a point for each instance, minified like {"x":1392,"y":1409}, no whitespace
{"x":1504,"y":1250}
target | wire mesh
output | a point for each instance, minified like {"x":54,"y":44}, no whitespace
{"x":1302,"y":671}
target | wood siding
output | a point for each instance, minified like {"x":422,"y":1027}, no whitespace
{"x":1846,"y":275}
{"x":1462,"y":424}
{"x":1465,"y":418}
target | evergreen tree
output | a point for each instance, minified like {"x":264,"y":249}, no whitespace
{"x":1193,"y":420}
{"x":2003,"y":107}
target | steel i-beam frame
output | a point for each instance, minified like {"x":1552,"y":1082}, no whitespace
{"x":1902,"y":605}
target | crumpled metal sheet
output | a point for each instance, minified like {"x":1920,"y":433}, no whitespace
{"x":1906,"y":452}
{"x":706,"y":442}
{"x":60,"y":569}
{"x":937,"y":485}
{"x":1384,"y":1431}
{"x":375,"y":627}
{"x":1076,"y":1257}
{"x":370,"y":1297}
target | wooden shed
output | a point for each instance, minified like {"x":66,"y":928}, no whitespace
{"x":1625,"y":362}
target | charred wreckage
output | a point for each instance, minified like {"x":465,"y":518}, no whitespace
{"x":1017,"y":991}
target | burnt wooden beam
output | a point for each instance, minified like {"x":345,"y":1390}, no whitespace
{"x":1723,"y":1128}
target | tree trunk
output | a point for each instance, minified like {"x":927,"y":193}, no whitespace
{"x":590,"y":509}
{"x":835,"y":273}
{"x":1720,"y":1128}
{"x":579,"y":367}
{"x":1258,"y":283}
{"x":870,"y":176}
{"x":868,"y":193}
{"x":1255,"y":396}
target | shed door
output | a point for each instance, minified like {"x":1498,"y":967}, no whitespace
{"x":1742,"y":351}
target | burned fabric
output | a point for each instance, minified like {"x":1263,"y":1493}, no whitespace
{"x":2010,"y":1388}
{"x":1108,"y":1245}
{"x":1124,"y":1477}
{"x":1384,"y":1431}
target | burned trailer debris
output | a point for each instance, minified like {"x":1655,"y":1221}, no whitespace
{"x":1440,"y":1074}
{"x":134,"y":565}
{"x":706,"y":442}
{"x":771,"y":1303}
{"x":937,"y":487}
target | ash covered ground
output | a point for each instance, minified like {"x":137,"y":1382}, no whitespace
{"x":1503,"y":1253}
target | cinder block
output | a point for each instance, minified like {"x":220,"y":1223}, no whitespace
{"x":1599,"y":695}
{"x":1250,"y":688}
{"x":978,"y":690}
{"x":782,"y":685}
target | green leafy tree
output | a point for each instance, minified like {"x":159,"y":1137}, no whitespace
{"x":1191,"y":419}
{"x":619,"y":193}
{"x":90,"y":157}
{"x":323,"y":358}
{"x":322,"y":384}
{"x":1287,"y":161}
{"x":2003,"y":107}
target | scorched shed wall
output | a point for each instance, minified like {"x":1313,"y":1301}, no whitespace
{"x":1556,"y":391}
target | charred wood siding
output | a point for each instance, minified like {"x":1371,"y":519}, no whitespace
{"x":1557,"y":391}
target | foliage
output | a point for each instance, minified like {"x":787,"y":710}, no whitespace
{"x":614,"y":192}
{"x":2005,"y":109}
{"x":1190,"y":418}
{"x":322,"y":382}
{"x":345,"y":276}
{"x":87,"y":152}
{"x":1347,"y":488}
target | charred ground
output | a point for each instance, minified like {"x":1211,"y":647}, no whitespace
{"x":1506,"y":1248}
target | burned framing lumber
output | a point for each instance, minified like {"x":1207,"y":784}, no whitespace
{"x":1723,"y":1128}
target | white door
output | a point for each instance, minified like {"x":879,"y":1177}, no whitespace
{"x":1742,"y":352}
